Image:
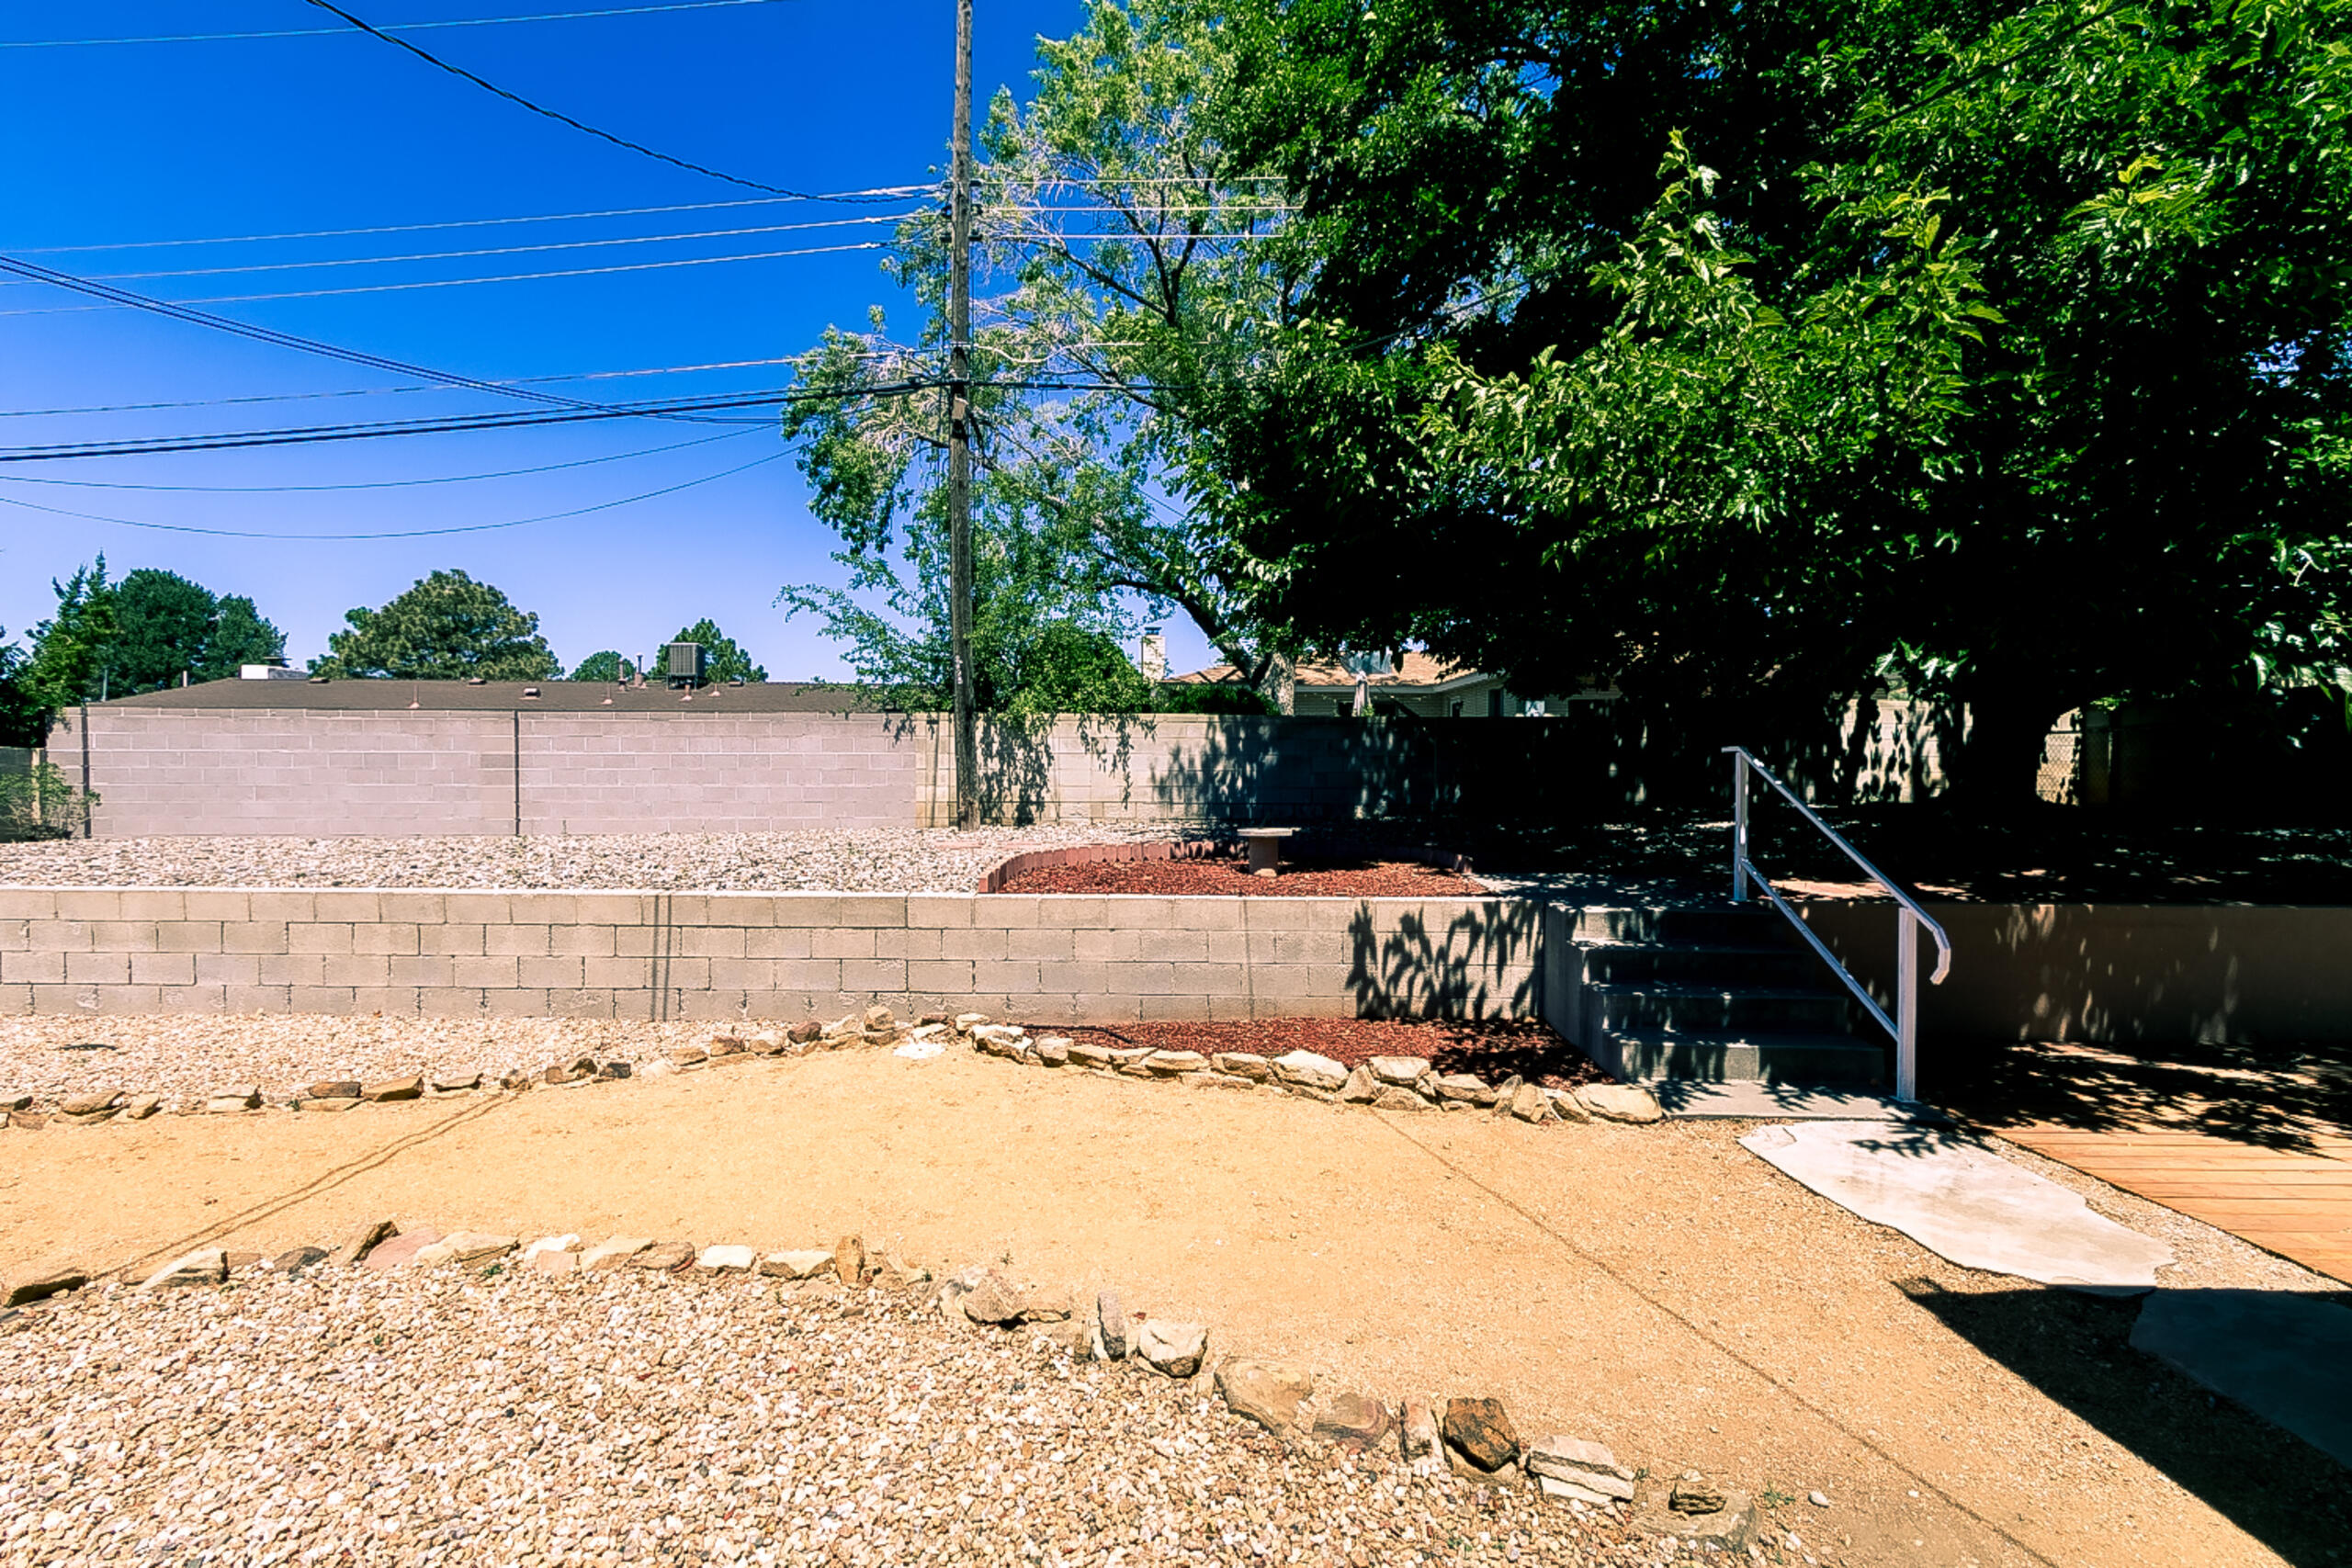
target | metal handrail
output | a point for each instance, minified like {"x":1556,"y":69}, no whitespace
{"x":1905,"y":1025}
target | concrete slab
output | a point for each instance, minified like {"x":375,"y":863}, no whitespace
{"x":1960,"y":1201}
{"x":1750,"y":1101}
{"x":2286,"y":1357}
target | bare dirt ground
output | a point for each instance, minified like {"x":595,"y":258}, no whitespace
{"x":1657,"y":1289}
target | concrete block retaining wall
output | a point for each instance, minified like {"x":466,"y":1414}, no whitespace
{"x":786,"y":956}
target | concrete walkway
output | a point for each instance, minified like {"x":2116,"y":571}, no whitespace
{"x":1657,"y":1289}
{"x":1952,"y":1195}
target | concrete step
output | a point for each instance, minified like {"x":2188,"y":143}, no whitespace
{"x":1625,"y":964}
{"x":1688,"y":1007}
{"x":1735,"y":1057}
{"x":1726,"y":923}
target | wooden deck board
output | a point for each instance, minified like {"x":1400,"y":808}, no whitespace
{"x":2298,"y":1205}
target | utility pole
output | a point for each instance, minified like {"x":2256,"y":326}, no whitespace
{"x":959,"y":429}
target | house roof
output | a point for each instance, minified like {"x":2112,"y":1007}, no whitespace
{"x":501,"y":697}
{"x":1418,"y":671}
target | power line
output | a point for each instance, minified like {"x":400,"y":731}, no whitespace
{"x":900,"y":193}
{"x":557,"y":115}
{"x":382,"y":484}
{"x":499,"y":250}
{"x":452,"y":424}
{"x":389,"y":27}
{"x":497,"y":277}
{"x":385,"y":391}
{"x":398,"y":534}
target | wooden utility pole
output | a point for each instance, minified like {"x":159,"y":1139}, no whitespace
{"x":959,"y":431}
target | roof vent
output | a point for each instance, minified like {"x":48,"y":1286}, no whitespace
{"x":531,"y":691}
{"x":476,"y":681}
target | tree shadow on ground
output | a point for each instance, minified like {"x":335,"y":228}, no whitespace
{"x":2075,"y":1349}
{"x":2274,"y":1097}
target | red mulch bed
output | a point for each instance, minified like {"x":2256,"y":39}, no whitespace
{"x":1299,"y":879}
{"x":1492,"y":1050}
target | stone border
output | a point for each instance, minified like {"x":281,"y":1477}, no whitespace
{"x":1387,"y":1083}
{"x":1384,"y":1083}
{"x":1474,"y":1438}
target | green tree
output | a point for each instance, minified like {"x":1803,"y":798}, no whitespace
{"x":722,"y":658}
{"x":2006,"y":354}
{"x":1135,"y":261}
{"x":23,"y":720}
{"x":241,"y":636}
{"x":604,"y":665}
{"x":446,"y":627}
{"x":69,"y":658}
{"x":163,"y":625}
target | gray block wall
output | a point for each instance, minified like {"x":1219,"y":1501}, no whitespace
{"x":746,"y":955}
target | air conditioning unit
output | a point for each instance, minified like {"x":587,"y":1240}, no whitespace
{"x":684,"y":663}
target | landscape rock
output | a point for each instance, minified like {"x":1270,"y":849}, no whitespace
{"x":1111,"y":1326}
{"x":1361,"y":1089}
{"x":1088,"y":1054}
{"x":332,"y":1089}
{"x":1420,"y":1434}
{"x":1243,"y":1064}
{"x":23,"y":1289}
{"x":570,"y":1242}
{"x":766,"y":1043}
{"x":1068,"y":1337}
{"x":1274,"y":1397}
{"x":613,"y":1070}
{"x":993,"y":1300}
{"x":1354,"y":1419}
{"x":1171,"y":1064}
{"x":455,"y":1083}
{"x":728,"y":1259}
{"x":664,"y":1256}
{"x":391,"y":1089}
{"x":294,"y":1259}
{"x":556,"y":1262}
{"x":1391,"y":1098}
{"x":878,"y":1017}
{"x":205,"y":1265}
{"x":30,"y":1121}
{"x":16,"y":1102}
{"x":687,"y":1057}
{"x":796,"y":1265}
{"x":1468,"y":1089}
{"x":1565,"y":1106}
{"x":1131,"y":1061}
{"x":1172,"y":1349}
{"x":1046,"y":1304}
{"x":1584,"y":1464}
{"x":362,"y":1241}
{"x":105,"y":1102}
{"x":463,"y":1248}
{"x":1054,"y":1050}
{"x":141,"y":1107}
{"x":1694,"y":1493}
{"x":616,"y":1252}
{"x":400,"y":1247}
{"x":849,"y":1259}
{"x":246,"y":1097}
{"x":1000,"y":1038}
{"x":803,"y":1032}
{"x":1527,"y":1104}
{"x":1309,"y":1070}
{"x":1480,"y":1430}
{"x":1405,"y":1072}
{"x":965,"y":1023}
{"x":1628,"y":1102}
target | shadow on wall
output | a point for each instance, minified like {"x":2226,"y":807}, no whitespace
{"x":1484,"y":963}
{"x":2075,"y":1349}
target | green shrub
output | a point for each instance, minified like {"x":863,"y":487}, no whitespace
{"x":40,"y":804}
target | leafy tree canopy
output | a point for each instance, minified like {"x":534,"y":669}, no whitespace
{"x":446,"y":627}
{"x":241,"y":636}
{"x":604,"y":665}
{"x":723,"y":660}
{"x":68,"y":662}
{"x":1182,"y":261}
{"x":2001,"y":351}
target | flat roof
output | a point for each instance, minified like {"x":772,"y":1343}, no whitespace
{"x":501,"y":697}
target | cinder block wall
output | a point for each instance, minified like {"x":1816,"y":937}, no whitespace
{"x":743,"y":955}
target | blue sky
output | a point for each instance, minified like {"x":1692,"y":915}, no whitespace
{"x":126,"y":144}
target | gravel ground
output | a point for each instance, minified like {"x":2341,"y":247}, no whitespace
{"x":428,"y":1416}
{"x":866,"y":860}
{"x":187,"y":1057}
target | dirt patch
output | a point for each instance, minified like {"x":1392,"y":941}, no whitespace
{"x":1493,"y":1050}
{"x":1364,"y":877}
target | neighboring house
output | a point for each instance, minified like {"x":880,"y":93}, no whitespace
{"x":1415,"y":686}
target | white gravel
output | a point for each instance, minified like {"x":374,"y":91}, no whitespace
{"x":186,"y":1057}
{"x":866,"y":860}
{"x":342,"y":1416}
